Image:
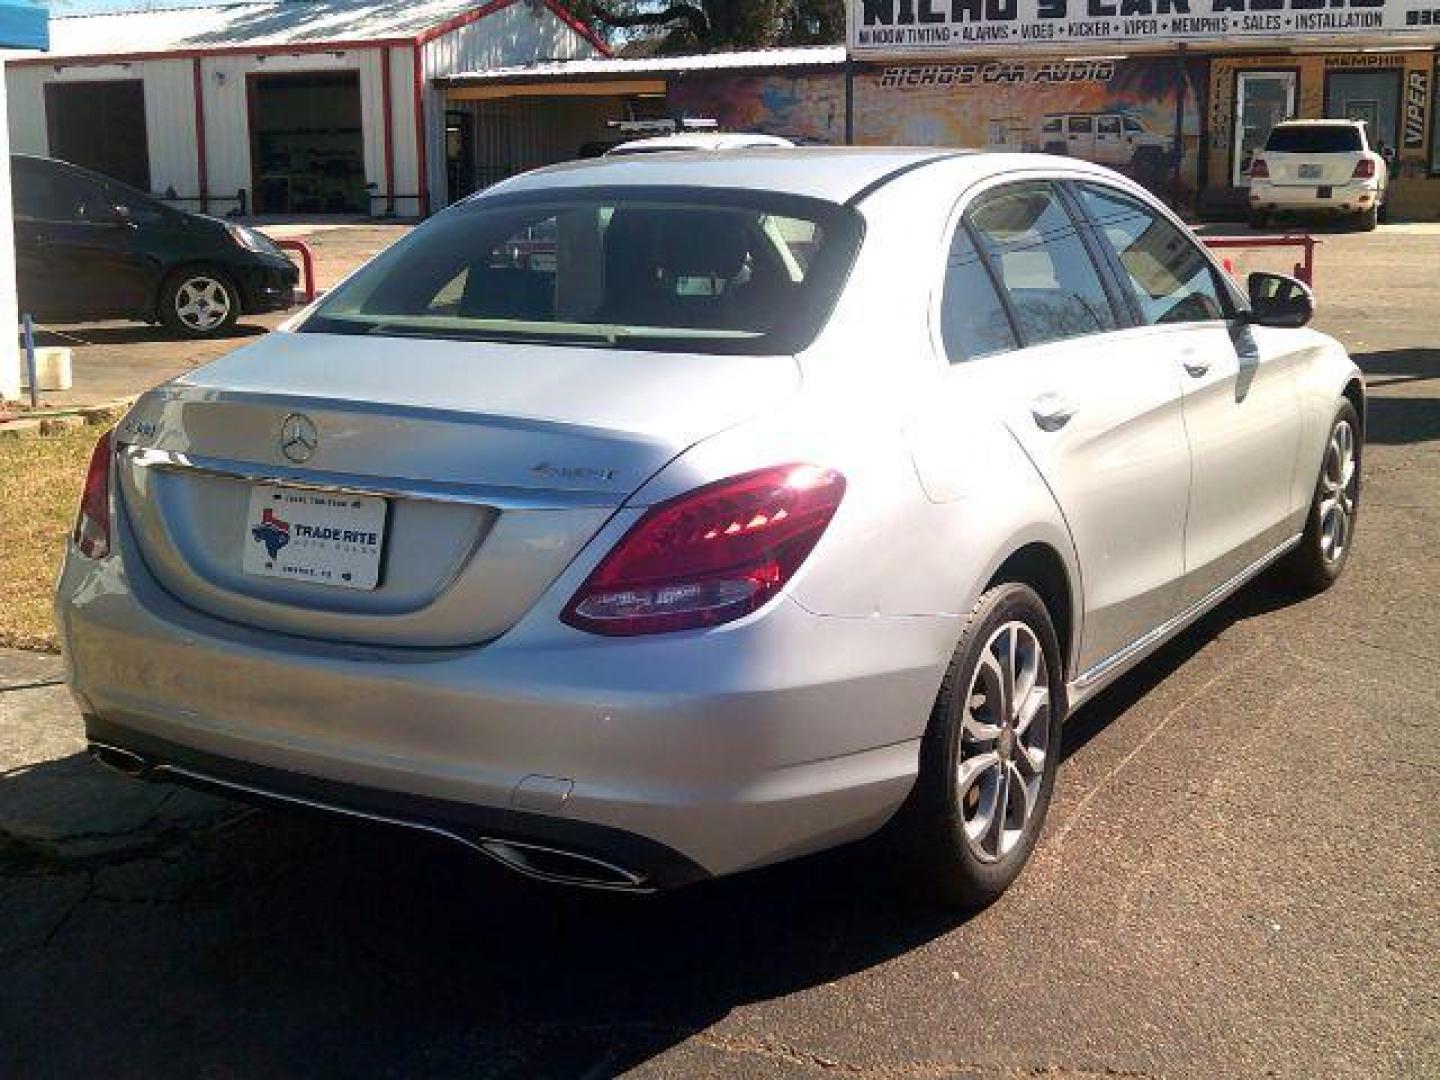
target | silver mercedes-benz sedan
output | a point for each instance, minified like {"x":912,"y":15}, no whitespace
{"x":645,"y":520}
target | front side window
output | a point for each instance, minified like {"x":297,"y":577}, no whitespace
{"x":742,"y":273}
{"x":46,"y":193}
{"x":1041,"y":262}
{"x":1169,"y":276}
{"x":973,"y":322}
{"x":1133,"y":126}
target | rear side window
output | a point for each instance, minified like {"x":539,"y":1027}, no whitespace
{"x":745,"y":272}
{"x":1314,"y":139}
{"x":1170,"y":278}
{"x":973,"y":322}
{"x":1036,"y":252}
{"x":1109,"y":125}
{"x":1081,"y":124}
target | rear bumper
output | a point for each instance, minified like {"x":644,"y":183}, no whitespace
{"x":674,"y":757}
{"x":1343,"y":199}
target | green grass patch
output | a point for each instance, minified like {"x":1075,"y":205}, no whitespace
{"x":40,"y":481}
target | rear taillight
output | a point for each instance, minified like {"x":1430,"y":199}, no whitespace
{"x":711,"y":555}
{"x":1259,"y":170}
{"x":92,"y":521}
{"x":1364,"y":169}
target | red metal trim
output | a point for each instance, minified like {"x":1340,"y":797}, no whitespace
{"x":202,"y":169}
{"x":292,"y":49}
{"x":307,"y":264}
{"x":1305,"y":270}
{"x":454,"y":23}
{"x":579,"y":25}
{"x":422,"y":163}
{"x":387,"y":104}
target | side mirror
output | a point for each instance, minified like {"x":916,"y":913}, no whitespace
{"x":1277,"y":300}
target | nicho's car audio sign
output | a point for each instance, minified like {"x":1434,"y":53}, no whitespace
{"x":933,"y":27}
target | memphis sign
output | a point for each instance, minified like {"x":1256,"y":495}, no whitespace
{"x":937,"y":27}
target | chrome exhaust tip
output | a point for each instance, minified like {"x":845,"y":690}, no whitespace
{"x":122,"y":761}
{"x":563,"y":867}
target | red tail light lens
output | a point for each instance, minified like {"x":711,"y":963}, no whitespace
{"x":711,"y":555}
{"x":1259,"y":170}
{"x":92,"y":522}
{"x":1364,"y":169}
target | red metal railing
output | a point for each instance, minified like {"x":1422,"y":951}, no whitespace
{"x":1304,"y":270}
{"x":307,"y":264}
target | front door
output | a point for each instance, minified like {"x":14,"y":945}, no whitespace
{"x":1240,"y":401}
{"x":73,"y":261}
{"x":1262,"y":100}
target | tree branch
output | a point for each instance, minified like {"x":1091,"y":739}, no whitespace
{"x":698,"y":23}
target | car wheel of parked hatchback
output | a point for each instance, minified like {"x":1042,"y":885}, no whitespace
{"x":199,"y":302}
{"x":1367,"y":220}
{"x":989,"y":757}
{"x":1330,"y":528}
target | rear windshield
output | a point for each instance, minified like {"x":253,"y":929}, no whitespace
{"x":662,"y":269}
{"x":1315,"y":139}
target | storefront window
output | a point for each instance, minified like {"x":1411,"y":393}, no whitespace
{"x":1371,"y":96}
{"x":1435,"y":120}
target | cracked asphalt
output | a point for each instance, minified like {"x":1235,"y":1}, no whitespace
{"x":1239,"y":876}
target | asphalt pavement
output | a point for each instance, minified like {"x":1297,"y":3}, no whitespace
{"x":1239,"y":877}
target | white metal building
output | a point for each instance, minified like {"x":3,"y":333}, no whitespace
{"x":274,"y":106}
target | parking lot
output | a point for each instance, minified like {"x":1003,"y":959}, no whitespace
{"x":1240,"y":874}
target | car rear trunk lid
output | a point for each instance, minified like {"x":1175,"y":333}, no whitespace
{"x":496,"y":464}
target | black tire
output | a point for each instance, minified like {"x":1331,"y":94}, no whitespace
{"x":1366,"y":220}
{"x":940,"y":858}
{"x":1314,"y":566}
{"x":190,"y":306}
{"x":1259,"y":220}
{"x":1382,"y":212}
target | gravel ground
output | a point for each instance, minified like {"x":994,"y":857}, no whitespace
{"x":1240,"y":876}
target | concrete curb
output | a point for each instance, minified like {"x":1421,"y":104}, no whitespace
{"x":54,"y":421}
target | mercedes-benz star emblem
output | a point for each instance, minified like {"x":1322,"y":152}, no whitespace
{"x":298,"y":437}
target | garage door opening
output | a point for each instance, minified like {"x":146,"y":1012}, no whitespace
{"x":101,"y":126}
{"x":307,"y":149}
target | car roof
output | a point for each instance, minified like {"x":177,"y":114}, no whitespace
{"x":835,"y":173}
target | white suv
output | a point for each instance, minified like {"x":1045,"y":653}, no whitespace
{"x":1327,"y":166}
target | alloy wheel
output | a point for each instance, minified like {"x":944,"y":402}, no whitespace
{"x":202,"y":303}
{"x":1338,"y":483}
{"x":1004,"y":740}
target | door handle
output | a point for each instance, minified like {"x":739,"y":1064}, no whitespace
{"x":1195,"y":366}
{"x":1051,"y":411}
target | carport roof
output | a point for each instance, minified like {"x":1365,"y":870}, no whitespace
{"x":622,"y":66}
{"x":262,"y":25}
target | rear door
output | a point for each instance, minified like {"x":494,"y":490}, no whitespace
{"x":1097,"y":413}
{"x":1241,"y":408}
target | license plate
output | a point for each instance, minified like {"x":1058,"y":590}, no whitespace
{"x":1309,"y":172}
{"x":1323,"y":192}
{"x":316,"y":536}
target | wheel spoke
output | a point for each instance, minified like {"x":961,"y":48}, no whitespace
{"x":972,"y":768}
{"x":994,"y":835}
{"x":1037,"y":699}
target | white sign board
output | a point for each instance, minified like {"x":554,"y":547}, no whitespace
{"x":938,"y":27}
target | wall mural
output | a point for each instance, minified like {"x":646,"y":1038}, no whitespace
{"x":807,"y":108}
{"x":1117,"y":113}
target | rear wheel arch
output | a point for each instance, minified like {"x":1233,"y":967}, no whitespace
{"x":1042,"y":568}
{"x":1354,"y":392}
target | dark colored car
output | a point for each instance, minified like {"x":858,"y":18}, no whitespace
{"x":88,"y":247}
